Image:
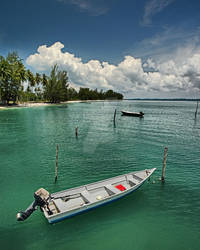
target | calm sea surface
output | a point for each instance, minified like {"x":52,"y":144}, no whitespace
{"x":157,"y":216}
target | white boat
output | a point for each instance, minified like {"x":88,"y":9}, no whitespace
{"x":64,"y":204}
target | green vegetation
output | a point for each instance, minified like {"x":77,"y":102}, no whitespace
{"x":89,"y":94}
{"x":41,"y":88}
{"x":12,"y":75}
{"x":55,"y":89}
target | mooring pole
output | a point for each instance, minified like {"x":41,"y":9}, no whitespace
{"x":76,"y":132}
{"x":114,"y":117}
{"x":195,"y":115}
{"x":56,"y":169}
{"x":164,"y":164}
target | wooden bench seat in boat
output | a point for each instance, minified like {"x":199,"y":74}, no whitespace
{"x":53,"y":207}
{"x":113,"y":189}
{"x":88,"y":196}
{"x":69,"y":204}
{"x":95,"y":194}
{"x":133,"y":179}
{"x":139,"y":176}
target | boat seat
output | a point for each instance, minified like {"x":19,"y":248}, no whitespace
{"x":136,"y":177}
{"x":113,"y":189}
{"x":70,"y":204}
{"x":60,"y":205}
{"x":142,"y":174}
{"x":88,"y":196}
{"x":53,"y":208}
{"x":132,"y":179}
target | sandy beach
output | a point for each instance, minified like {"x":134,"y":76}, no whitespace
{"x":39,"y":104}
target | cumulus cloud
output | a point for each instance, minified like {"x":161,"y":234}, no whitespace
{"x":92,"y":7}
{"x":129,"y":76}
{"x":153,"y":7}
{"x":172,"y":43}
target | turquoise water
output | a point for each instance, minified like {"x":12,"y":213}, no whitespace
{"x":157,"y":216}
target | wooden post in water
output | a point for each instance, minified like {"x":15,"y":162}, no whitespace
{"x":195,"y":115}
{"x":114,"y":117}
{"x":56,"y":169}
{"x":164,"y":164}
{"x":76,"y":132}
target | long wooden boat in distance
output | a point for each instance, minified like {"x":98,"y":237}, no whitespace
{"x":64,"y":204}
{"x":127,"y":113}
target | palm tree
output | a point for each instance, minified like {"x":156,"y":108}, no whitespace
{"x":44,"y":80}
{"x":55,"y":90}
{"x":12,"y":75}
{"x":38,"y":78}
{"x":30,"y":78}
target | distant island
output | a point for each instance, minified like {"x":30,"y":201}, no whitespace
{"x":40,"y":87}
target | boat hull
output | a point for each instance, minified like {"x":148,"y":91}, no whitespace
{"x":132,"y":114}
{"x":141,"y":177}
{"x":90,"y":207}
{"x":70,"y":202}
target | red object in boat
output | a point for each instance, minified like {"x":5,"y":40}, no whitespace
{"x":120,"y":187}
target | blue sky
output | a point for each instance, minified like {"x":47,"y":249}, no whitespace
{"x":143,"y":48}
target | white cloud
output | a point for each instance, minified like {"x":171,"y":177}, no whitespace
{"x":129,"y":76}
{"x":172,"y":43}
{"x":153,"y":7}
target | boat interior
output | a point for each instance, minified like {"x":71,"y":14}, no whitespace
{"x":76,"y":198}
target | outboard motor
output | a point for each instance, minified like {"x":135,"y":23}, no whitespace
{"x":41,"y":196}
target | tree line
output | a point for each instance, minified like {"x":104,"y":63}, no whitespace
{"x":40,"y":87}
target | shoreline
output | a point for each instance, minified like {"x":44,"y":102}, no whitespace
{"x":34,"y":104}
{"x":40,"y":104}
